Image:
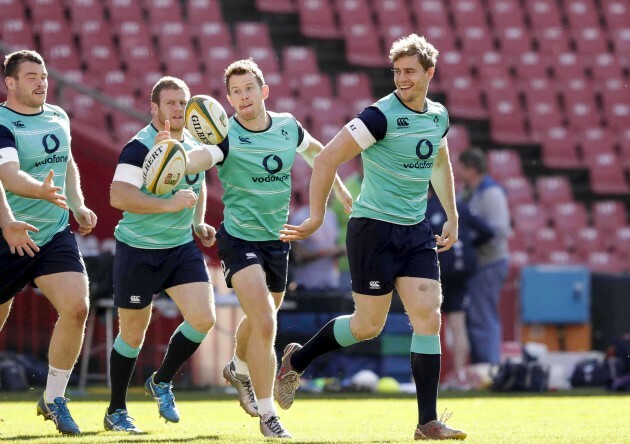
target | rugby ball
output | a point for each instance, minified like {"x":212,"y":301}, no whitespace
{"x":164,"y":166}
{"x":206,"y":119}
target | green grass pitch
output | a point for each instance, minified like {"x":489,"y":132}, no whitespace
{"x":585,"y":417}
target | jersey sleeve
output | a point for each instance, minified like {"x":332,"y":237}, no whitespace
{"x":130,"y":162}
{"x":375,"y":121}
{"x":304,"y":138}
{"x":8,"y":150}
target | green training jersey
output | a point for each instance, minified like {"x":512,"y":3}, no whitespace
{"x":161,"y":230}
{"x":256,"y":177}
{"x":40,"y":143}
{"x":397,"y":166}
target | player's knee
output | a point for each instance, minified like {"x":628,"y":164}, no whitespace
{"x":265,"y":326}
{"x":76,"y":313}
{"x":367,"y":329}
{"x":202,"y":322}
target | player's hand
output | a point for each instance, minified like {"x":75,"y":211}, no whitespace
{"x":293,"y":232}
{"x":86,"y":219}
{"x":16,"y":235}
{"x":345,"y":198}
{"x":206,"y":233}
{"x":50,"y":193}
{"x":182,"y":200}
{"x":164,"y":134}
{"x":448,"y":238}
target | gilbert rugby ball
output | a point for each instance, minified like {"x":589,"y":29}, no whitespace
{"x":206,"y":119}
{"x":164,"y":166}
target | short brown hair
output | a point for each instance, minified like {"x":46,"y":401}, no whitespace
{"x":414,"y":45}
{"x":474,"y":158}
{"x":243,"y":67}
{"x":13,"y":61}
{"x":167,"y":82}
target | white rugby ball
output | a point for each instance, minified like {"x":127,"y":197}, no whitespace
{"x":206,"y":119}
{"x":164,"y":166}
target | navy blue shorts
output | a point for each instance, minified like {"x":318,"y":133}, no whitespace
{"x":379,"y":252}
{"x":453,"y":293}
{"x":140,"y":273}
{"x":272,"y":256}
{"x":59,"y":255}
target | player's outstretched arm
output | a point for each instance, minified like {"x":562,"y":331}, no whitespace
{"x":15,"y":233}
{"x":128,"y":197}
{"x":23,"y":184}
{"x":341,"y":149}
{"x":442,"y":181}
{"x":76,"y":202}
{"x":341,"y":192}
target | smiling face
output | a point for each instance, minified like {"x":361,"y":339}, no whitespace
{"x":412,"y":81}
{"x":27,"y":90}
{"x":247,"y":97}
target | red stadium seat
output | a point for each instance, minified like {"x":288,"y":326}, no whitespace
{"x":216,"y":59}
{"x":553,"y":190}
{"x":100,"y":58}
{"x":125,"y":127}
{"x":42,"y":10}
{"x":458,"y":139}
{"x":616,"y":102}
{"x":452,"y":64}
{"x":624,"y":142}
{"x":287,"y":104}
{"x":363,"y":47}
{"x":441,"y":37}
{"x":276,"y":6}
{"x":519,"y":190}
{"x":326,"y":110}
{"x":543,"y":14}
{"x":514,"y":40}
{"x":180,"y":60}
{"x":84,"y":108}
{"x":581,"y":14}
{"x":116,"y":82}
{"x":506,"y":13}
{"x":132,"y":34}
{"x":86,"y":10}
{"x":17,"y":34}
{"x":392,"y":23}
{"x":140,"y":60}
{"x":616,"y":13}
{"x":491,"y":66}
{"x":604,"y":262}
{"x":430,"y":12}
{"x":552,"y":40}
{"x":529,"y":218}
{"x":607,"y":176}
{"x":621,"y":40}
{"x":93,"y":32}
{"x":504,"y":164}
{"x":594,"y":141}
{"x":11,"y":10}
{"x":353,"y":85}
{"x":475,"y":39}
{"x":196,"y":82}
{"x":276,"y":82}
{"x":252,"y":35}
{"x":560,"y":257}
{"x":559,"y":148}
{"x":314,"y":85}
{"x":217,"y":33}
{"x":567,"y":66}
{"x":393,"y":31}
{"x":609,"y":215}
{"x":569,"y":216}
{"x":507,"y":121}
{"x":353,"y":12}
{"x":621,"y":241}
{"x":299,"y":60}
{"x":591,"y":40}
{"x":61,"y":56}
{"x":317,"y":19}
{"x":200,"y":12}
{"x":52,"y":32}
{"x":545,"y":240}
{"x":543,"y":111}
{"x":469,"y":13}
{"x":124,"y":10}
{"x":530,"y":65}
{"x":588,"y":239}
{"x":606,"y":66}
{"x":463,"y":99}
{"x":173,"y":34}
{"x":265,"y":57}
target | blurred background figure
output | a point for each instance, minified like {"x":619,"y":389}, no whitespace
{"x":315,"y":259}
{"x":457,"y":265}
{"x":487,"y":199}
